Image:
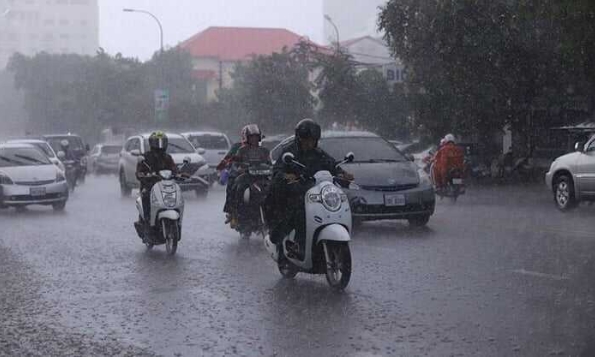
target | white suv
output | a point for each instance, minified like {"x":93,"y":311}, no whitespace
{"x":179,"y":148}
{"x":572,"y":177}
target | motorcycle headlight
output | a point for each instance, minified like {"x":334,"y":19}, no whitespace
{"x":424,"y":178}
{"x":331,"y":198}
{"x":60,"y":177}
{"x":5,"y":180}
{"x":169,"y":199}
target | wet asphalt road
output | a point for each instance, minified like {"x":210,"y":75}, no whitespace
{"x":500,"y":273}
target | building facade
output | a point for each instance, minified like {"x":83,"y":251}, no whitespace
{"x":353,"y":18}
{"x":53,"y":26}
{"x":217,"y":51}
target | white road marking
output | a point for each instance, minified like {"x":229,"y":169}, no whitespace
{"x":541,"y":275}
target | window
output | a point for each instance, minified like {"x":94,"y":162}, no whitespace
{"x":64,"y":22}
{"x":132,"y":144}
{"x":64,"y":36}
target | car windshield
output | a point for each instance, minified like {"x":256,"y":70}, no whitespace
{"x":22,"y":157}
{"x":176,"y":145}
{"x":365,"y":149}
{"x":111,"y":149}
{"x":74,"y":143}
{"x":43,"y":146}
{"x":209,"y":142}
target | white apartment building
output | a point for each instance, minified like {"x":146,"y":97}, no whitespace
{"x":53,"y":26}
{"x":353,"y":18}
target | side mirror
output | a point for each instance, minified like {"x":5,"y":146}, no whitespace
{"x":288,"y":158}
{"x":187,"y":160}
{"x":349,"y":157}
{"x":410,"y":157}
{"x":61,"y":155}
{"x":579,"y":146}
{"x":135,"y":152}
{"x":201,"y":151}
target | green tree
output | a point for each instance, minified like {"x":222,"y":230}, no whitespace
{"x":272,"y":91}
{"x":476,"y":66}
{"x":338,"y":88}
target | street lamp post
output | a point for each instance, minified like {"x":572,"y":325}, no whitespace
{"x":156,"y":20}
{"x":330,"y":21}
{"x":161,"y":96}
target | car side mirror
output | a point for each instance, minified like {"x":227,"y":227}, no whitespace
{"x":288,"y":158}
{"x":201,"y":151}
{"x":579,"y":146}
{"x":187,"y":160}
{"x":61,"y":155}
{"x":135,"y":152}
{"x":349,"y":157}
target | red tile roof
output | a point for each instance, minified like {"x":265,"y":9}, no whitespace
{"x":239,"y":43}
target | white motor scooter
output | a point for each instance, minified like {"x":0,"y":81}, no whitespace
{"x":328,"y":228}
{"x":167,"y":211}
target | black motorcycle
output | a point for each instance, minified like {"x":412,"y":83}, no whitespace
{"x":455,"y":185}
{"x":71,"y":173}
{"x":255,"y":184}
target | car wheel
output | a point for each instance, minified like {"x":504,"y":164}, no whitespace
{"x":419,"y":221}
{"x":564,"y":193}
{"x":125,"y":191}
{"x":59,"y":207}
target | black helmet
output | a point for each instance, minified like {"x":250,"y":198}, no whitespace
{"x":307,"y":128}
{"x":158,"y":141}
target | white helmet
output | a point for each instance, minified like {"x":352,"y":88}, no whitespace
{"x":449,"y":138}
{"x":442,"y":141}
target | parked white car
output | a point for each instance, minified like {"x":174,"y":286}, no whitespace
{"x":104,"y":158}
{"x":571,"y":177}
{"x":44,"y":146}
{"x":179,"y":148}
{"x":28,"y":177}
{"x":211,"y":145}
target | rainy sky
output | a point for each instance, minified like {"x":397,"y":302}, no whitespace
{"x":137,"y":35}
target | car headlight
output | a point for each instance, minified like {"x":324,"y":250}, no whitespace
{"x":169,"y":199}
{"x":5,"y":180}
{"x":60,"y":177}
{"x":331,"y":197}
{"x":424,"y":178}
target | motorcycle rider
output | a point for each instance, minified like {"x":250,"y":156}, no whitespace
{"x":284,"y":205}
{"x":249,"y":152}
{"x":155,"y":160}
{"x":65,"y":147}
{"x":449,"y":157}
{"x":226,"y":164}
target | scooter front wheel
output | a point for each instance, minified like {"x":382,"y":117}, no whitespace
{"x":286,"y":268}
{"x":338,"y":264}
{"x":171,"y":234}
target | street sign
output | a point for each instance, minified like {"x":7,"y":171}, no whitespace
{"x":161,"y":104}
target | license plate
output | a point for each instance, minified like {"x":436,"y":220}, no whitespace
{"x":457,"y":181}
{"x":394,"y":200}
{"x":37,"y":191}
